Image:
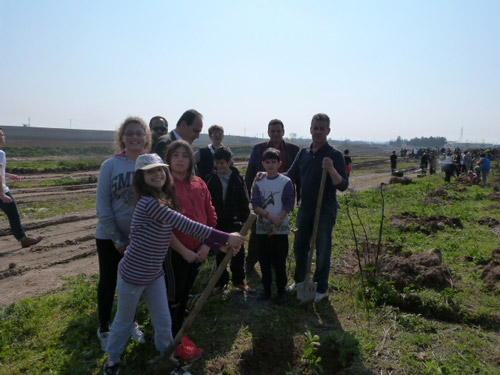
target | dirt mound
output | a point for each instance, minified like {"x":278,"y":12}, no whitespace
{"x":424,"y":270}
{"x":489,"y":221}
{"x":421,"y":270}
{"x":491,"y":271}
{"x":408,"y":221}
{"x":400,"y":180}
{"x":495,"y":196}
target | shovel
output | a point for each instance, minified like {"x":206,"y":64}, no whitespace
{"x":306,"y":291}
{"x":163,"y":364}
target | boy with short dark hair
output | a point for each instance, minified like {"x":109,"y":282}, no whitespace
{"x":273,"y":198}
{"x":8,"y":203}
{"x":230,"y":199}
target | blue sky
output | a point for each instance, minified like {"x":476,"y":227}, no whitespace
{"x":379,"y":68}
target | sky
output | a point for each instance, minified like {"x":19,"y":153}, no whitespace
{"x":380,"y":68}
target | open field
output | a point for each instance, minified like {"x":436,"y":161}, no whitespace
{"x":411,"y":330}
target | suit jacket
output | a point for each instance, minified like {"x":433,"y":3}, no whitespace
{"x":162,"y":144}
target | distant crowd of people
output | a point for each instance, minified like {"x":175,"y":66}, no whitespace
{"x":475,"y":163}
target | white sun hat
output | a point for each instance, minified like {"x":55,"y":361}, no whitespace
{"x":148,"y":161}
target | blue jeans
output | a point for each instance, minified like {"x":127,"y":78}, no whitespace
{"x":155,"y":295}
{"x":14,"y":217}
{"x":302,"y":243}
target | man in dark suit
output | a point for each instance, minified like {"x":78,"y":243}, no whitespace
{"x":188,"y":128}
{"x":288,"y":151}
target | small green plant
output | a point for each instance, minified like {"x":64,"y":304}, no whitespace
{"x":309,"y":360}
{"x":345,"y":345}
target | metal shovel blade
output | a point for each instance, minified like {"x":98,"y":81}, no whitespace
{"x":306,"y":291}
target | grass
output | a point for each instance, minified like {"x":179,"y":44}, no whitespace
{"x":65,"y":181}
{"x":40,"y":166}
{"x":40,"y":151}
{"x":453,"y":331}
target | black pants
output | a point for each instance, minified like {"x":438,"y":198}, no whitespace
{"x":109,"y":258}
{"x":237,"y":269}
{"x":179,"y":277}
{"x":273,"y":251}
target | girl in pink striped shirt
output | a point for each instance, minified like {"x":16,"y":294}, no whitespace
{"x":140,"y":271}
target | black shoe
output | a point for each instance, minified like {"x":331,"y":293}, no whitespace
{"x":111,"y":370}
{"x":281,"y":298}
{"x":264,"y":296}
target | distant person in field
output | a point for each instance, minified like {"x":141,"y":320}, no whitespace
{"x":348,"y":162}
{"x":230,"y":199}
{"x":394,"y":161}
{"x":115,"y":202}
{"x":8,"y":203}
{"x":204,"y":157}
{"x":188,"y":128}
{"x":308,"y":166}
{"x":483,"y":168}
{"x":141,"y":272}
{"x":288,"y":152}
{"x":158,"y":126}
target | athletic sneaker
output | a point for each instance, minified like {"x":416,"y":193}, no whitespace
{"x":293,"y":287}
{"x":180,"y":371}
{"x":320,"y":296}
{"x":103,"y":338}
{"x":111,"y":369}
{"x":137,"y":334}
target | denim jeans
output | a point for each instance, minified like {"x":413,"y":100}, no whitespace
{"x":155,"y":295}
{"x":12,"y":212}
{"x":305,"y":223}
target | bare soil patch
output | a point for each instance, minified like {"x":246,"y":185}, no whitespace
{"x":419,"y":270}
{"x":491,"y":271}
{"x":408,"y":221}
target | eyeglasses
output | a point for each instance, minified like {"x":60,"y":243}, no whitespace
{"x":159,"y":129}
{"x":134,"y":134}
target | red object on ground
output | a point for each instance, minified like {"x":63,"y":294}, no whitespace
{"x":187,"y":350}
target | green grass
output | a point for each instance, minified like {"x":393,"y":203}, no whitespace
{"x":65,"y":181}
{"x":40,"y":151}
{"x":51,"y":166}
{"x":54,"y":207}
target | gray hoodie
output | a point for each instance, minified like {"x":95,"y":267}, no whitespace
{"x":115,"y":200}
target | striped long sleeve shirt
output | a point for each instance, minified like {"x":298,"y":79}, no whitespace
{"x":150,"y":234}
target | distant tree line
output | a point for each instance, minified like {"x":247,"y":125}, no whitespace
{"x":419,"y":142}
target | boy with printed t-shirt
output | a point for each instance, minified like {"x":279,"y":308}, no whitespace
{"x":272,"y":199}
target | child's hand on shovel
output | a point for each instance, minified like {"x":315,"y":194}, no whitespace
{"x":235,"y":240}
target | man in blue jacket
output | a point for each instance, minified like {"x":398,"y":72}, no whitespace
{"x":308,"y":166}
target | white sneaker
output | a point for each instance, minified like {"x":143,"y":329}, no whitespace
{"x":103,"y":338}
{"x":293,"y":287}
{"x":137,"y":334}
{"x":320,"y":296}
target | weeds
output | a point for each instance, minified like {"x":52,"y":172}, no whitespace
{"x":310,"y":362}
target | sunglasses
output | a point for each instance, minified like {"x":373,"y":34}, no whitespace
{"x":159,"y":129}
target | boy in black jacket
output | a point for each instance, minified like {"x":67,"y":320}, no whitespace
{"x":230,"y":199}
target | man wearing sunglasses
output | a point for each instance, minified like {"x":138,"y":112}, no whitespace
{"x":159,"y":127}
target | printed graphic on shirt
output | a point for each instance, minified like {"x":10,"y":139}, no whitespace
{"x":122,"y":189}
{"x":269,"y":203}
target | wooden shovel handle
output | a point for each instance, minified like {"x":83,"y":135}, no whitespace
{"x":316,"y":225}
{"x":161,"y":366}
